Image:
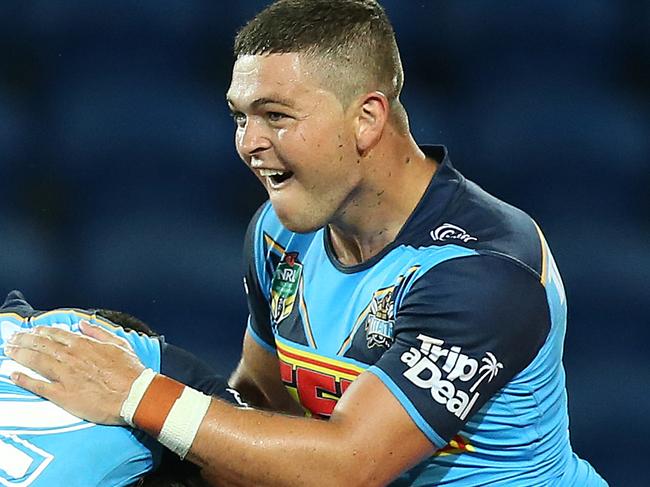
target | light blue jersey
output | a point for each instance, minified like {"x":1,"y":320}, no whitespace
{"x":41,"y":445}
{"x":462,"y":318}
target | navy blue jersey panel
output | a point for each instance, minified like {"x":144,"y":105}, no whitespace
{"x":464,"y":330}
{"x":467,"y":215}
{"x":190,"y":370}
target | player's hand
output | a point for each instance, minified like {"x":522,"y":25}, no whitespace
{"x":89,"y":375}
{"x":99,"y":333}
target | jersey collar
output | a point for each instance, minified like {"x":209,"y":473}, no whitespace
{"x":426,"y":215}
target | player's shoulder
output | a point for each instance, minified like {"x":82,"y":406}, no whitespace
{"x":492,"y":227}
{"x":457,"y":212}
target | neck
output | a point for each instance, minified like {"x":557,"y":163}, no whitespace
{"x":374,"y":215}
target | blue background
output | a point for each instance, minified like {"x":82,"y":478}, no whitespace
{"x":120,"y":186}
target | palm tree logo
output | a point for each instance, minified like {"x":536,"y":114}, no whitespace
{"x":488,"y":370}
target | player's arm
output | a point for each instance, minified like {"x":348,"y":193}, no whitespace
{"x":257,"y":379}
{"x":369,"y":440}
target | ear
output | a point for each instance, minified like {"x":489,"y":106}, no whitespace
{"x":372,"y":117}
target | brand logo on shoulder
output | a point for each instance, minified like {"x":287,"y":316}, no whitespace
{"x":447,"y":231}
{"x":447,"y":373}
{"x":284,"y":288}
{"x":380,"y":321}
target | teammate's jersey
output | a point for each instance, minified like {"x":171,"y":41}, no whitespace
{"x":462,"y":318}
{"x":41,"y":445}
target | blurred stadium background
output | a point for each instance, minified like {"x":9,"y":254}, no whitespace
{"x":120,"y":187}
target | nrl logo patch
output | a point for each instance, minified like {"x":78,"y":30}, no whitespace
{"x":380,"y":322}
{"x":284,"y":287}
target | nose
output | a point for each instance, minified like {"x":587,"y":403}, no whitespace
{"x":252,"y":138}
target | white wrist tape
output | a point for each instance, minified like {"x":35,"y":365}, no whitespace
{"x":166,"y":409}
{"x":138,"y":389}
{"x":183,"y":421}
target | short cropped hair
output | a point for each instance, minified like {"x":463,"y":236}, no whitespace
{"x":353,"y":40}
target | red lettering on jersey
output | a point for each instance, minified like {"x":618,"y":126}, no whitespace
{"x":311,"y":386}
{"x":344,"y":385}
{"x":286,"y":373}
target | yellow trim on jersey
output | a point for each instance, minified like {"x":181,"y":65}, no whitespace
{"x":10,"y":314}
{"x":544,"y":254}
{"x":305,"y":315}
{"x":454,"y":447}
{"x":79,"y":314}
{"x":273,"y":244}
{"x":350,"y":337}
{"x":311,"y":361}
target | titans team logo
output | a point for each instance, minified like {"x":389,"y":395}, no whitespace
{"x":380,"y":321}
{"x":284,"y":288}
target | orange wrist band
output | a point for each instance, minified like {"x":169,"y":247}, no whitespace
{"x":157,"y":402}
{"x":166,"y":409}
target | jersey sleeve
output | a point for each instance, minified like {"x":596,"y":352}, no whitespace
{"x":463,"y":330}
{"x":183,"y":366}
{"x":259,"y":321}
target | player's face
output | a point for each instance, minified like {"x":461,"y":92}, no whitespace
{"x":296,"y":137}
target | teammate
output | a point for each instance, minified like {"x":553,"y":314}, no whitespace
{"x":420,"y":317}
{"x":42,"y":445}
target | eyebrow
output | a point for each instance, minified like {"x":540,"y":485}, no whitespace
{"x":258,"y":102}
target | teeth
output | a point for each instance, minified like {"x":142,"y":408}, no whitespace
{"x":270,"y":172}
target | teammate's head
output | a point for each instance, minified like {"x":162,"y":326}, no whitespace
{"x":350,"y":44}
{"x":126,"y":321}
{"x":172,"y":472}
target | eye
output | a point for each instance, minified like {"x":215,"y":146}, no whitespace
{"x":239,"y":118}
{"x":276,"y":116}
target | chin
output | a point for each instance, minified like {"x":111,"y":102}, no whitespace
{"x":296,"y":222}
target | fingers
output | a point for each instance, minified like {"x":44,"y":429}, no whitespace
{"x":52,"y":333}
{"x":37,"y":355}
{"x":90,"y":377}
{"x":41,"y":388}
{"x":41,"y":350}
{"x":101,"y":334}
{"x":41,"y":339}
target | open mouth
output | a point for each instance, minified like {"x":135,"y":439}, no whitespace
{"x":276,"y":177}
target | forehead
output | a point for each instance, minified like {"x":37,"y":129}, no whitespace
{"x":271,"y":76}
